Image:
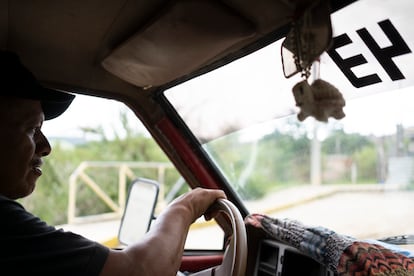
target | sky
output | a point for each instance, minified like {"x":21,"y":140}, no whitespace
{"x":90,"y":112}
{"x":263,"y":77}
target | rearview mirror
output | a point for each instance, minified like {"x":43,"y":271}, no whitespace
{"x":139,"y":210}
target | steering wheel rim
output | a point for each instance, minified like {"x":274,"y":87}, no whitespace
{"x":235,"y":256}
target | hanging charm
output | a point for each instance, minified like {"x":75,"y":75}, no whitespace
{"x":310,"y":35}
{"x":320,"y":100}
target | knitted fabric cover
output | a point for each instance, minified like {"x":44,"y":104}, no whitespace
{"x":342,"y":254}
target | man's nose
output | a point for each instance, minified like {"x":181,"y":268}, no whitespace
{"x":42,"y":145}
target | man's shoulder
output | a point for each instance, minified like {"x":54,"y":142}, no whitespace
{"x":5,"y":202}
{"x":16,"y":218}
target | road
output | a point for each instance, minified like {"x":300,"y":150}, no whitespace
{"x":364,"y":214}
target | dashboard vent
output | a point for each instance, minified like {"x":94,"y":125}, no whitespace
{"x":268,"y":260}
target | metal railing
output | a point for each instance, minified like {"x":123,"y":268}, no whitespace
{"x":125,"y":173}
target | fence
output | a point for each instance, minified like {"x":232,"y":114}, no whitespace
{"x":125,"y":173}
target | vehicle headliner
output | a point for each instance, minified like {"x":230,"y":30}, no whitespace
{"x":64,"y":43}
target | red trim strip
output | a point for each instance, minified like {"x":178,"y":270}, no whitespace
{"x":198,"y":263}
{"x":184,"y":150}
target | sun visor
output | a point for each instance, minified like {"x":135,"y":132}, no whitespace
{"x":183,"y":38}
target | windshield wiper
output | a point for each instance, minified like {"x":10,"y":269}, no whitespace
{"x":398,"y":240}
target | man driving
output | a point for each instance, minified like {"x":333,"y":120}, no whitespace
{"x":30,"y":245}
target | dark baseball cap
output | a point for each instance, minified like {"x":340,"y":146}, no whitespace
{"x":18,"y":82}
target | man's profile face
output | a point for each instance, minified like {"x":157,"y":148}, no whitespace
{"x":22,"y":145}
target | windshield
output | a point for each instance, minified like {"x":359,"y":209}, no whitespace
{"x":353,"y":175}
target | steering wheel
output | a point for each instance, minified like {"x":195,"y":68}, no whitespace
{"x":235,"y":255}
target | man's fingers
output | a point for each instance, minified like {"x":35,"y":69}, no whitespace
{"x":199,"y":200}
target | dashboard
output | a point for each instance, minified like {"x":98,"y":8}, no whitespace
{"x":277,"y":259}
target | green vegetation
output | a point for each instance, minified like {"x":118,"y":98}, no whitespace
{"x":284,"y":161}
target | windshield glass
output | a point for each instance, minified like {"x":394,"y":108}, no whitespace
{"x":353,"y":175}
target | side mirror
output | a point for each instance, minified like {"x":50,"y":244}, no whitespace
{"x":139,"y":210}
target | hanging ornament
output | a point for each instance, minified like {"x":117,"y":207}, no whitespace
{"x":309,"y":37}
{"x":320,"y":100}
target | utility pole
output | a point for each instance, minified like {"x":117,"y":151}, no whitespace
{"x":315,"y":165}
